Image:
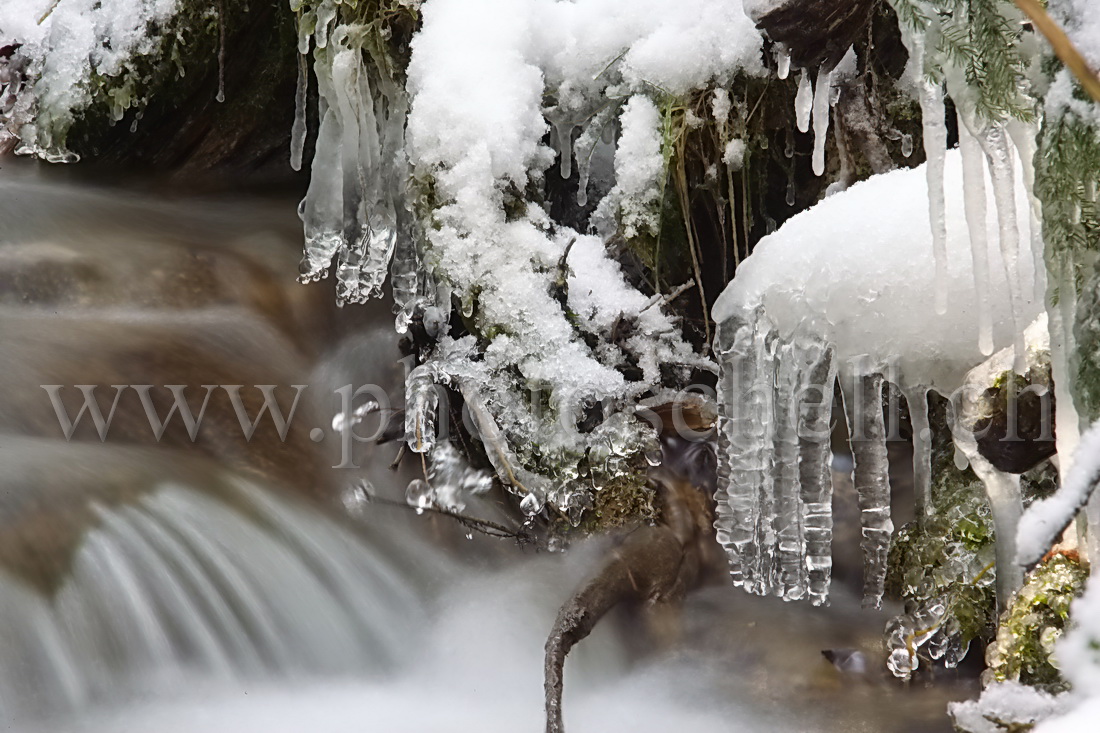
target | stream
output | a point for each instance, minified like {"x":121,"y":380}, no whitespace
{"x":230,"y":584}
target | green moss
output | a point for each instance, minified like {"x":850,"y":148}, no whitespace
{"x":1029,"y":628}
{"x":621,"y":499}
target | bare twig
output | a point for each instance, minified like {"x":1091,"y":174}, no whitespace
{"x":484,"y":526}
{"x":49,"y":10}
{"x":666,"y":299}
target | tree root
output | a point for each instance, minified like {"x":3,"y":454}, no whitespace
{"x":652,"y":566}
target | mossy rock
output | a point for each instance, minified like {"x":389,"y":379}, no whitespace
{"x":1023,"y":649}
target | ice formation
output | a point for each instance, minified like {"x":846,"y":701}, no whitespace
{"x":65,"y":47}
{"x":350,"y":210}
{"x":557,"y":316}
{"x":839,"y":280}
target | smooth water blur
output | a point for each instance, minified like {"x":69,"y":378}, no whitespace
{"x":220,"y":585}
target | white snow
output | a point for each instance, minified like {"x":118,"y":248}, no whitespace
{"x":76,"y":40}
{"x":476,"y":130}
{"x":734,"y":154}
{"x":858,"y":269}
{"x":639,"y":168}
{"x":1010,"y":703}
{"x":1044,"y":520}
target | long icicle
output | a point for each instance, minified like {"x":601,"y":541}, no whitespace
{"x":917,"y":399}
{"x":745,"y":424}
{"x":822,"y":109}
{"x":787,"y":516}
{"x":935,"y":148}
{"x":998,"y":155}
{"x":867,"y":436}
{"x":974,"y":203}
{"x":814,"y":467}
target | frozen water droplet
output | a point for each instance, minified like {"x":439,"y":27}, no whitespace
{"x":783,"y":61}
{"x":530,"y":505}
{"x":356,"y":497}
{"x":906,"y":145}
{"x":961,"y":461}
{"x":803,"y":102}
{"x":418,"y":495}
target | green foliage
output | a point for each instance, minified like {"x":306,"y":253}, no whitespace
{"x":1087,"y":357}
{"x":980,"y":38}
{"x":1066,"y":178}
{"x":1034,"y":622}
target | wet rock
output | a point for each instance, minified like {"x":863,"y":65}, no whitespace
{"x":1012,"y":415}
{"x":815,"y":31}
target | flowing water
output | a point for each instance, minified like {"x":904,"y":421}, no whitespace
{"x":220,"y":584}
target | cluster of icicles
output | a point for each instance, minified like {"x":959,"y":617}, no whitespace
{"x":354,"y":208}
{"x":775,"y":393}
{"x":775,"y":487}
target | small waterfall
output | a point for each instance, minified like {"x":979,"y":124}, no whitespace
{"x":180,"y":584}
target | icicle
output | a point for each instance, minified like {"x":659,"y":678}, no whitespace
{"x":746,"y":425}
{"x":298,"y":130}
{"x":421,"y":404}
{"x":322,"y":209}
{"x":565,"y":145}
{"x":974,"y":202}
{"x":917,"y":398}
{"x":1003,"y":490}
{"x":786,"y":517}
{"x":822,"y":112}
{"x":1023,"y":138}
{"x":814,"y":470}
{"x":803,"y":102}
{"x":906,"y":145}
{"x":346,"y":70}
{"x":561,"y":138}
{"x":867,"y":435}
{"x":935,"y":148}
{"x":782,"y":61}
{"x":585,"y":147}
{"x":1002,"y":176}
{"x":381,"y":219}
{"x":404,"y":280}
{"x":1061,"y":316}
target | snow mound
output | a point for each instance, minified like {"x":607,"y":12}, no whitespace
{"x":858,"y":268}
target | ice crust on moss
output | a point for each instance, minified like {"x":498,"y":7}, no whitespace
{"x":76,"y":42}
{"x":840,"y":277}
{"x":1078,"y":658}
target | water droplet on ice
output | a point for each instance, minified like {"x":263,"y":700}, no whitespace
{"x":906,"y":145}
